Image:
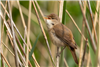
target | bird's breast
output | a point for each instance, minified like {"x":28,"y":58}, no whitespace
{"x":55,"y":40}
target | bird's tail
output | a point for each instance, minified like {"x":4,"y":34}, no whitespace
{"x":74,"y":55}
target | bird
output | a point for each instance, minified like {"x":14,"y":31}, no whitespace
{"x":60,"y":35}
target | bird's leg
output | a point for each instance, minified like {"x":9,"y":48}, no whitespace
{"x":62,"y":50}
{"x":57,"y":52}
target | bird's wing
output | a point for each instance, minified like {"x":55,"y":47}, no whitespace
{"x":64,"y":34}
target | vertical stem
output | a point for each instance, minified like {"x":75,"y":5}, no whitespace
{"x":58,"y":56}
{"x":85,"y":48}
{"x":61,"y":10}
{"x":81,"y":47}
{"x":99,"y":39}
{"x":88,"y":60}
{"x":28,"y":32}
{"x":1,"y":47}
{"x":60,"y":16}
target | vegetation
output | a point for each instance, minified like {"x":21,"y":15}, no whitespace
{"x":25,"y":40}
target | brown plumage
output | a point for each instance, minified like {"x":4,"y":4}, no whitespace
{"x":61,"y":35}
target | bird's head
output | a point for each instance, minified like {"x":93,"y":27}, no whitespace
{"x":52,"y":20}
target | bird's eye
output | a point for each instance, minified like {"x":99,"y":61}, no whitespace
{"x":52,"y":23}
{"x":52,"y":18}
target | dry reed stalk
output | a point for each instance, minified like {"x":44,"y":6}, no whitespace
{"x":10,"y":31}
{"x":76,"y":25}
{"x":25,"y":11}
{"x":99,"y":40}
{"x":6,"y":42}
{"x":88,"y":60}
{"x":42,"y":17}
{"x":13,"y":22}
{"x":40,"y":10}
{"x":81,"y":47}
{"x":95,"y":17}
{"x":60,"y":16}
{"x":65,"y":62}
{"x":24,"y":25}
{"x":11,"y":40}
{"x":91,"y":15}
{"x":1,"y":35}
{"x":58,"y":57}
{"x":37,"y":65}
{"x":61,"y":9}
{"x":28,"y":33}
{"x":88,"y":28}
{"x":1,"y":48}
{"x":20,"y":54}
{"x":84,"y":53}
{"x":22,"y":17}
{"x":13,"y":34}
{"x":7,"y":48}
{"x":20,"y":45}
{"x":95,"y":22}
{"x":5,"y":60}
{"x":7,"y":26}
{"x":25,"y":33}
{"x":21,"y":49}
{"x":43,"y":32}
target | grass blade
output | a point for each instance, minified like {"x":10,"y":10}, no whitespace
{"x":64,"y":13}
{"x":32,"y":50}
{"x":92,"y":55}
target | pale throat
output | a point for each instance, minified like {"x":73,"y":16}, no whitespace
{"x":49,"y":23}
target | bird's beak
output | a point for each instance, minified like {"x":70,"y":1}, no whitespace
{"x":45,"y":18}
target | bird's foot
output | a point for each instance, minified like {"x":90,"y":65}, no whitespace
{"x":57,"y":55}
